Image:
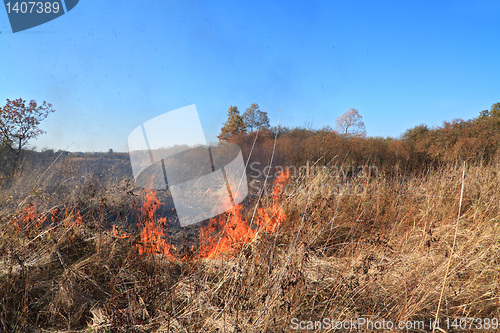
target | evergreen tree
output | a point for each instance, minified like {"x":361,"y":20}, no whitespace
{"x":234,"y":124}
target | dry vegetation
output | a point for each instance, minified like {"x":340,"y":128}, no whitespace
{"x":379,"y":247}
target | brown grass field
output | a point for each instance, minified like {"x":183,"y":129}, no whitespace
{"x":74,"y":258}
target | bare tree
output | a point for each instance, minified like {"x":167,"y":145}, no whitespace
{"x":351,"y":123}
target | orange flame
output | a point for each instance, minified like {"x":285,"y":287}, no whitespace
{"x":222,"y":236}
{"x":152,"y":237}
{"x":32,"y":220}
{"x":117,"y":235}
{"x":271,"y":218}
{"x":227,"y":233}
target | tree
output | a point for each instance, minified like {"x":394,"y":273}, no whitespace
{"x":19,"y":123}
{"x":492,"y":113}
{"x":490,"y":118}
{"x":495,"y":110}
{"x":234,"y":124}
{"x":255,"y":119}
{"x":418,"y":141}
{"x":351,"y":123}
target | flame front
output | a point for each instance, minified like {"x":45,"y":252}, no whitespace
{"x":227,"y":233}
{"x":221,"y":236}
{"x":152,"y":237}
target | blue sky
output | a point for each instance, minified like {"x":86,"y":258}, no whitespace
{"x":108,"y":66}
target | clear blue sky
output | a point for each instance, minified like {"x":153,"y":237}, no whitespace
{"x":108,"y":66}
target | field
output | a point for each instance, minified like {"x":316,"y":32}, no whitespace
{"x":84,"y":249}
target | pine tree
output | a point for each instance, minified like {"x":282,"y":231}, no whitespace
{"x":234,"y":124}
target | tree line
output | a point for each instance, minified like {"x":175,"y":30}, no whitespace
{"x":416,"y":150}
{"x":419,"y":148}
{"x":253,"y":119}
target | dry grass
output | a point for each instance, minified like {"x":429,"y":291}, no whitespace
{"x":378,"y":249}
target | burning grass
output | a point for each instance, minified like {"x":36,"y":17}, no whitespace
{"x":379,"y":253}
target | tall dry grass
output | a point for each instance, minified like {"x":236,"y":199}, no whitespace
{"x":375,"y":247}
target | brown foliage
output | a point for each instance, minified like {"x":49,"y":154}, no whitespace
{"x":19,"y":122}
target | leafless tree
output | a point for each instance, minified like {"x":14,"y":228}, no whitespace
{"x":351,"y":123}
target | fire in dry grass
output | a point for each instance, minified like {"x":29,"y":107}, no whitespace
{"x":31,"y":219}
{"x":152,"y":234}
{"x":227,"y":233}
{"x":117,"y":234}
{"x":222,"y":235}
